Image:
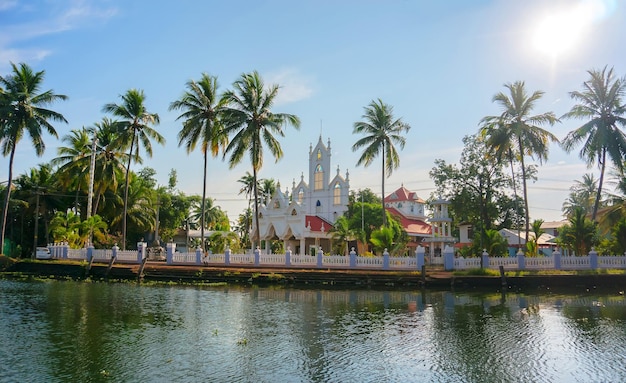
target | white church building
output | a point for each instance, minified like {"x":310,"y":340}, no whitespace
{"x":302,"y":217}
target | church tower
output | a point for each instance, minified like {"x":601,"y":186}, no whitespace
{"x":328,"y":198}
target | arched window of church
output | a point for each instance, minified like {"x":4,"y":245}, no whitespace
{"x":337,"y":194}
{"x":319,"y":178}
{"x":318,"y":206}
{"x":276,"y":204}
{"x":300,"y":195}
{"x":294,"y":212}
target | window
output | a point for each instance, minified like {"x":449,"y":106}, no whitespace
{"x":300,"y":195}
{"x":319,"y":177}
{"x":318,"y":206}
{"x":337,"y":194}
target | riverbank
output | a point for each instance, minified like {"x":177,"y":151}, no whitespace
{"x":432,"y":279}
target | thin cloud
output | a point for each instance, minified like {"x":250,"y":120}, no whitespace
{"x":76,"y":15}
{"x":293,"y":85}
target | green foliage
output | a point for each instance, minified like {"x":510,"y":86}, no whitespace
{"x":476,"y":189}
{"x":382,"y":133}
{"x":601,"y":104}
{"x":580,"y":235}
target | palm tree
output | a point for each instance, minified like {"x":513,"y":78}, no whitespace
{"x":202,"y":111}
{"x":600,"y":103}
{"x":582,"y":194}
{"x":135,"y":129}
{"x":382,"y":132}
{"x":252,"y":123}
{"x":267,"y":187}
{"x":22,"y":108}
{"x":517,"y":128}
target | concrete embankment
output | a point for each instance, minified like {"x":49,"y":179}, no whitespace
{"x":434,"y":279}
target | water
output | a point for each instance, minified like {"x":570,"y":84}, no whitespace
{"x":97,"y":332}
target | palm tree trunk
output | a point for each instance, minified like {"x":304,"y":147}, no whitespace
{"x":519,"y":238}
{"x":203,"y":201}
{"x":5,"y":211}
{"x":383,"y":188}
{"x":130,"y":157}
{"x":257,"y":231}
{"x":527,"y":218}
{"x":596,"y":204}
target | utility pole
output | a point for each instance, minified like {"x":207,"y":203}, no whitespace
{"x":36,"y":223}
{"x":92,"y":170}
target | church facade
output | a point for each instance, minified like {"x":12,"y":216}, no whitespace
{"x":302,"y":217}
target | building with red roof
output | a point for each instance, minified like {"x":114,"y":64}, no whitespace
{"x":409,"y":209}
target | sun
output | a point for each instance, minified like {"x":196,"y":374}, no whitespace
{"x":560,"y":31}
{"x":559,"y":34}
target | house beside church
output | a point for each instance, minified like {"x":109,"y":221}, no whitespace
{"x":409,"y":209}
{"x":301,"y":217}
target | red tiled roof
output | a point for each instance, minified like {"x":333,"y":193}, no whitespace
{"x":316,"y":223}
{"x":403,"y":194}
{"x":412,"y":226}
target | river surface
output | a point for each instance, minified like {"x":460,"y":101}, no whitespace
{"x":99,"y":332}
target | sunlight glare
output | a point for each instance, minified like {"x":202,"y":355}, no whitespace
{"x":560,"y":32}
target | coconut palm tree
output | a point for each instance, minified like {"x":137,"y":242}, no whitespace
{"x":202,"y":111}
{"x":135,"y":126}
{"x":582,"y":194}
{"x":253,"y":125}
{"x":601,"y":104}
{"x":517,"y":128}
{"x":382,"y":131}
{"x":22,"y":110}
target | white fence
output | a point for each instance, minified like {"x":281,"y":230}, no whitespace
{"x":352,"y":261}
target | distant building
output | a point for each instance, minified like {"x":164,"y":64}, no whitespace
{"x":302,"y":218}
{"x":410,"y":211}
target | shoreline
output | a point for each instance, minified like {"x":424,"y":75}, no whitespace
{"x":435,"y":279}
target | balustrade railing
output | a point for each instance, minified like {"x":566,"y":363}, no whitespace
{"x":352,"y":261}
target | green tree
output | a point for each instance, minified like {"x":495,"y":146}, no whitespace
{"x":382,"y":132}
{"x":341,"y":233}
{"x":252,"y":124}
{"x":202,"y":112}
{"x":517,"y":127}
{"x":532,"y":245}
{"x":580,"y":234}
{"x":601,"y":104}
{"x":582,"y":194}
{"x":475,"y":189}
{"x":22,"y":110}
{"x":136,"y":130}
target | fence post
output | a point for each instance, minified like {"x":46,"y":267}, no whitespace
{"x":114,"y":251}
{"x":320,"y":260}
{"x":141,"y":251}
{"x":169,"y":253}
{"x":227,"y":256}
{"x":257,"y":256}
{"x":521,"y":259}
{"x":385,"y":259}
{"x":198,"y":255}
{"x":419,"y":253}
{"x":448,"y":258}
{"x":557,"y":259}
{"x":593,"y":259}
{"x":485,"y":259}
{"x":352,"y":259}
{"x":89,"y":253}
{"x":65,"y":250}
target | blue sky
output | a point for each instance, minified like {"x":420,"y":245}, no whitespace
{"x":438,"y":63}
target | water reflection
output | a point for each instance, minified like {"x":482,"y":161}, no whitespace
{"x":67,"y":331}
